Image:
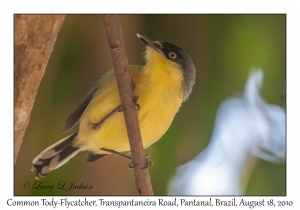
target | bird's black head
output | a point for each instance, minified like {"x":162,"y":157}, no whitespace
{"x":178,"y":56}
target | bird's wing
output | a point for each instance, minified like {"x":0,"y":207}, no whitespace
{"x":103,"y":106}
{"x":74,"y":118}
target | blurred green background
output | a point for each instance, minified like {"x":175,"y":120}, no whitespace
{"x":224,"y":48}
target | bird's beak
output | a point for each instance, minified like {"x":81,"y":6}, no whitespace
{"x":148,"y":42}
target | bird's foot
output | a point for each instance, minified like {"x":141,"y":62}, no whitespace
{"x":147,"y":165}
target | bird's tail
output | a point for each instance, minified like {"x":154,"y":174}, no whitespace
{"x":54,"y":156}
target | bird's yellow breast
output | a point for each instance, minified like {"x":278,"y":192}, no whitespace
{"x":159,"y":92}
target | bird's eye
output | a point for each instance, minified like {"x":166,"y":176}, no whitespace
{"x":172,"y":55}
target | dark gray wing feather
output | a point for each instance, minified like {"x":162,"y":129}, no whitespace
{"x":74,"y":118}
{"x":93,"y":157}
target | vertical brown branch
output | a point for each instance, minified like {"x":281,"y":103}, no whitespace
{"x":34,"y":38}
{"x":126,"y":87}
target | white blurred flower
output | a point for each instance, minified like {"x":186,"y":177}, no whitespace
{"x":246,"y":127}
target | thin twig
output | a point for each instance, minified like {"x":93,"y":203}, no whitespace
{"x":126,"y":88}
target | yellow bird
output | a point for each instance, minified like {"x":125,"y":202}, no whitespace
{"x":161,"y":86}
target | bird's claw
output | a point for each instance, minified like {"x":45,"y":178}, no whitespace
{"x":120,"y":109}
{"x":130,"y":165}
{"x":135,"y":103}
{"x":137,"y":106}
{"x":147,"y":165}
